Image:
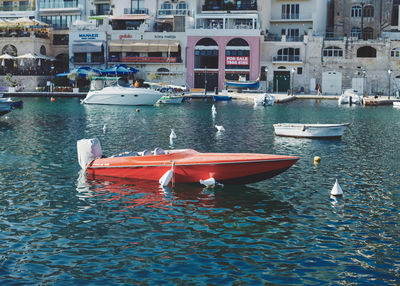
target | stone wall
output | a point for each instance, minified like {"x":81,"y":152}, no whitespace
{"x":29,"y":83}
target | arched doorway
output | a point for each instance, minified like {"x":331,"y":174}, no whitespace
{"x":237,"y":59}
{"x":206,"y":64}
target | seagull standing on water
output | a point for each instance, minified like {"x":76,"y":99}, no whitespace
{"x":220,"y":128}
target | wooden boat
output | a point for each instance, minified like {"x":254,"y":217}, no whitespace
{"x":243,"y":83}
{"x":187,"y":165}
{"x":310,"y":130}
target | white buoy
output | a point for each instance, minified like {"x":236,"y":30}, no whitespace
{"x":104,"y":128}
{"x":220,"y":127}
{"x":172,"y":135}
{"x":336,"y":190}
{"x":210,"y":182}
{"x":166,"y":178}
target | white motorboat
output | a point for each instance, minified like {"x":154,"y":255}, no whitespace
{"x":106,"y":90}
{"x":171,"y":99}
{"x":310,"y":130}
{"x":396,"y":104}
{"x":264,"y":100}
{"x":350,"y":96}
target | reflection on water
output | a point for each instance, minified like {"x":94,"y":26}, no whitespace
{"x":59,"y":227}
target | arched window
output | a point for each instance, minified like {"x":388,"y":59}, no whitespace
{"x":366,"y":52}
{"x":9,"y":49}
{"x":206,"y":54}
{"x":395,"y":53}
{"x":368,"y":11}
{"x":356,"y":11}
{"x":333,"y":52}
{"x":289,"y":55}
{"x":163,"y":71}
{"x":355,"y":32}
{"x":368,"y":33}
{"x":43,"y":50}
{"x":166,"y":8}
{"x":181,"y":8}
{"x":237,"y":54}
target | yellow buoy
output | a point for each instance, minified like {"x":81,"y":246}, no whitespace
{"x":317,"y":159}
{"x":136,"y":84}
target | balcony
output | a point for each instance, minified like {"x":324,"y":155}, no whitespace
{"x":136,"y":11}
{"x":282,"y":38}
{"x":229,"y":7}
{"x":285,"y":18}
{"x":162,"y":13}
{"x":52,"y":5}
{"x":287,"y":59}
{"x":20,"y":8}
{"x":100,"y":13}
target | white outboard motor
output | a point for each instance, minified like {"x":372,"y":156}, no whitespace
{"x":88,"y":150}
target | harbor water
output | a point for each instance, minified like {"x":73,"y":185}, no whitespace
{"x":59,"y":227}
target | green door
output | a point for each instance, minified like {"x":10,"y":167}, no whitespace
{"x":281,"y":81}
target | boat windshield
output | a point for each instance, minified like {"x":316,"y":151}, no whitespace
{"x":100,"y":83}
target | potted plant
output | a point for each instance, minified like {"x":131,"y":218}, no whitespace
{"x":74,"y":77}
{"x":12,"y":83}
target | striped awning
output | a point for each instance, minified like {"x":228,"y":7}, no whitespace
{"x":146,"y":46}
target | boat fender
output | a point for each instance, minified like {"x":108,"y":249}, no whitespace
{"x":211,"y":183}
{"x":88,"y":150}
{"x":317,"y":159}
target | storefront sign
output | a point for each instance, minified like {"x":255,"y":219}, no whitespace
{"x":237,"y":61}
{"x":125,"y":36}
{"x":88,"y":36}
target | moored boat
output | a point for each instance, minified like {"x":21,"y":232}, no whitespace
{"x":222,"y":97}
{"x":106,"y":90}
{"x":310,"y":130}
{"x":187,"y":165}
{"x":264,"y":100}
{"x":5,"y":108}
{"x":171,"y":99}
{"x":350,"y":96}
{"x":243,"y":83}
{"x":396,"y":104}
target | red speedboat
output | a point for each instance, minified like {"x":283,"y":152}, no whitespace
{"x":189,"y":166}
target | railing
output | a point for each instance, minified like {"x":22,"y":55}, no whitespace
{"x":145,"y":59}
{"x":19,"y":8}
{"x":230,"y":7}
{"x":171,"y":12}
{"x":136,"y":11}
{"x":50,"y":5}
{"x":290,"y":16}
{"x":99,"y":13}
{"x":286,"y":58}
{"x":294,"y":38}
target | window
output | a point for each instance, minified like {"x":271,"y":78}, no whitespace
{"x":355,"y":32}
{"x":368,"y":11}
{"x":366,"y":52}
{"x":60,"y":39}
{"x":43,"y":50}
{"x":299,"y":70}
{"x":368,"y":33}
{"x":167,"y":7}
{"x":181,"y":8}
{"x":80,"y":57}
{"x":9,"y":49}
{"x":288,"y":55}
{"x":356,"y":11}
{"x":292,"y":35}
{"x":333,"y":52}
{"x":395,"y":53}
{"x":290,"y":11}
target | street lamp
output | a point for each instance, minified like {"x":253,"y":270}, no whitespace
{"x":291,"y":87}
{"x":390,"y":73}
{"x":364,"y":74}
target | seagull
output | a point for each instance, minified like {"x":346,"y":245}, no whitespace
{"x":220,"y":127}
{"x":104,"y":128}
{"x":172,"y":135}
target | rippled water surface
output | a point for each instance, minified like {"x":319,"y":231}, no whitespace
{"x":59,"y":228}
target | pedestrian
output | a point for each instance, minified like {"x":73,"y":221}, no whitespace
{"x":318,"y":88}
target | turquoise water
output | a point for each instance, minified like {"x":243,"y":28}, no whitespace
{"x":59,"y":228}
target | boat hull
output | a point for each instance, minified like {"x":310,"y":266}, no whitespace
{"x":222,"y":97}
{"x":171,"y":99}
{"x":310,"y":130}
{"x":123,"y":96}
{"x":239,"y":168}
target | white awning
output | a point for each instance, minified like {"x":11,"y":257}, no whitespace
{"x":87,"y":46}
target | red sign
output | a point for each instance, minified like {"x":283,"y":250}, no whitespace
{"x":237,"y":61}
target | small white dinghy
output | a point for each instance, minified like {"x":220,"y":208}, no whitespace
{"x":264,"y":100}
{"x":323,"y":131}
{"x":350,"y":96}
{"x":396,"y":104}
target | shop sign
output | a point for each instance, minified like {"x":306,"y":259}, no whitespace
{"x":237,"y":61}
{"x":125,"y":36}
{"x":88,"y":36}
